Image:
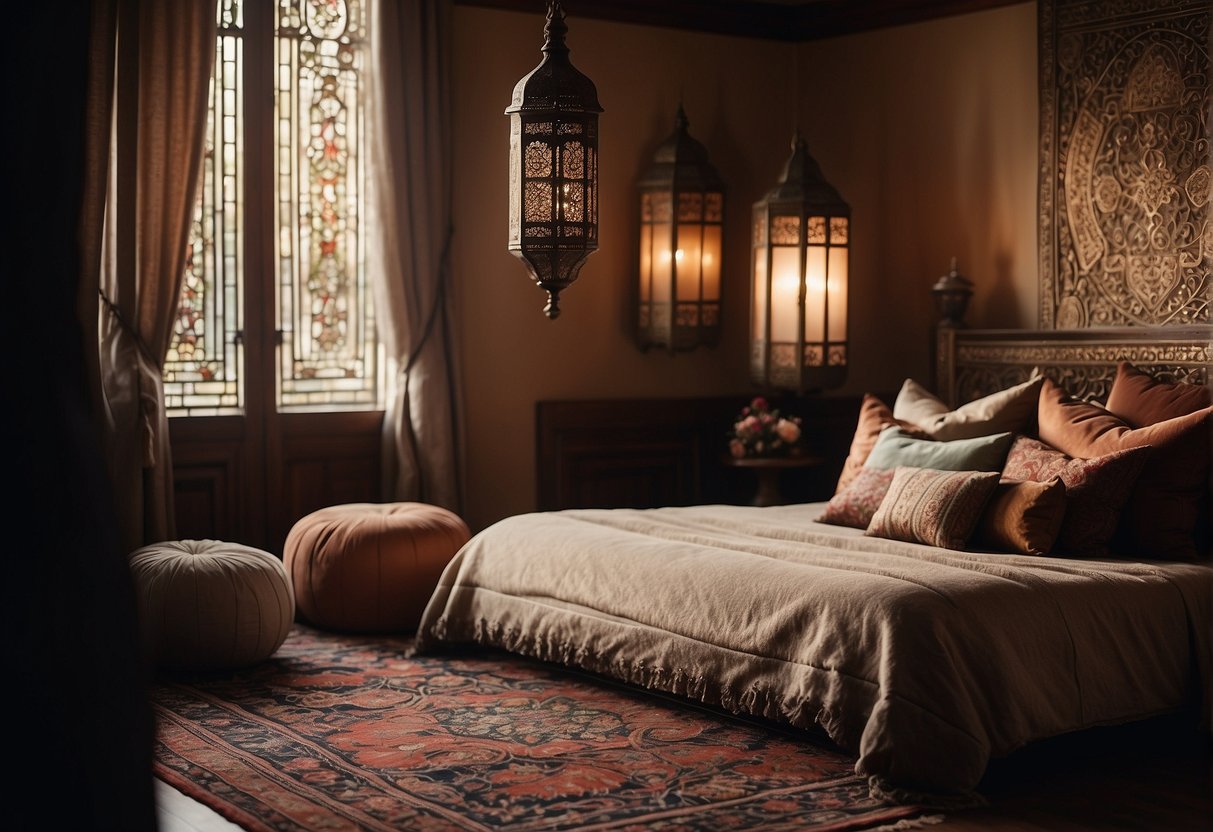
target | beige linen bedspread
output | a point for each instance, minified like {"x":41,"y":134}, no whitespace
{"x":923,"y":662}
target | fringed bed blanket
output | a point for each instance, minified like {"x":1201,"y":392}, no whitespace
{"x":923,"y":662}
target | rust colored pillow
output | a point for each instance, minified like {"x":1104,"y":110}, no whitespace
{"x":874,"y":416}
{"x":1140,"y":399}
{"x":1164,"y":515}
{"x":855,"y":504}
{"x":1023,"y":516}
{"x":1096,"y":490}
{"x":938,"y":508}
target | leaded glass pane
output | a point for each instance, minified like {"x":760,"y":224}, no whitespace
{"x":328,"y":357}
{"x":204,"y":363}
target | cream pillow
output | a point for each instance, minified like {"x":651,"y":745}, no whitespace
{"x":1012,"y":410}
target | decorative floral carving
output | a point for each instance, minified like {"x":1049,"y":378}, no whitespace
{"x":1124,"y":192}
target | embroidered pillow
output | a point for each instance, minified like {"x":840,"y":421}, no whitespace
{"x":897,"y":447}
{"x":1012,"y":410}
{"x":874,"y":416}
{"x":1023,"y":516}
{"x":1163,"y":515}
{"x":855,"y":504}
{"x":1140,"y":399}
{"x":1095,"y":490}
{"x":938,"y":508}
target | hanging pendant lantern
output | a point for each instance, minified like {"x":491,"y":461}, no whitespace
{"x":798,"y":335}
{"x":554,"y":166}
{"x":681,"y":237}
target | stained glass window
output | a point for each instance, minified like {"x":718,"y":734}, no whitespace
{"x":328,"y":357}
{"x":203,"y":367}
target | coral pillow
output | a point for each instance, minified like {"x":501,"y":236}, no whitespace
{"x":1023,"y":516}
{"x":938,"y":508}
{"x":874,"y":416}
{"x":1140,"y":399}
{"x":1164,"y":511}
{"x":982,"y":453}
{"x":855,"y":504}
{"x":1012,"y":410}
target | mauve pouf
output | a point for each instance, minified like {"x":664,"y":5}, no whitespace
{"x":211,"y":605}
{"x":370,"y":567}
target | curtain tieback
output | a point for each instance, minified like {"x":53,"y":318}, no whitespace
{"x":147,"y":376}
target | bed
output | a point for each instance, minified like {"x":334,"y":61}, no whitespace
{"x":924,"y":661}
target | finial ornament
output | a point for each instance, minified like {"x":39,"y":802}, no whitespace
{"x":952,"y":293}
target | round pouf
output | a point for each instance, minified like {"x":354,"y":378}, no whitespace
{"x":211,"y":605}
{"x":370,"y":567}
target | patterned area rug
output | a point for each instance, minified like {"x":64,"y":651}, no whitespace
{"x":345,"y":732}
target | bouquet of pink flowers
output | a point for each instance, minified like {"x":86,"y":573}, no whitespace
{"x":762,"y":431}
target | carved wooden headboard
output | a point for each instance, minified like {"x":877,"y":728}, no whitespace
{"x":971,"y":363}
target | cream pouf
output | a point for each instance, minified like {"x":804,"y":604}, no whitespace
{"x":211,"y":605}
{"x":370,"y":567}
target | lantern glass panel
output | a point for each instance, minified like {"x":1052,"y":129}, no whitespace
{"x":646,"y":262}
{"x":687,"y":261}
{"x":711,"y":262}
{"x":662,"y":261}
{"x":785,"y":293}
{"x":760,"y":294}
{"x":815,"y":293}
{"x":837,"y":288}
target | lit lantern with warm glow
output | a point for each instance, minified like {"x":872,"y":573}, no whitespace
{"x":798,"y":288}
{"x":681,"y":239}
{"x":554,"y":166}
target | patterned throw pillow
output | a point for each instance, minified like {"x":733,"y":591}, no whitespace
{"x":855,"y":504}
{"x":939,"y":508}
{"x":1023,"y":517}
{"x":1096,"y":490}
{"x":1012,"y":410}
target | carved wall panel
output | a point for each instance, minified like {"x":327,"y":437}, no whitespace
{"x":1125,"y":231}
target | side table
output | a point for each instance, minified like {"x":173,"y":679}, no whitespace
{"x":768,"y":471}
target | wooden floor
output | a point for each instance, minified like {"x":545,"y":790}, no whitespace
{"x":1154,"y":776}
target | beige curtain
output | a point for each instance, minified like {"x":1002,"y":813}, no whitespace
{"x":409,"y":123}
{"x":163,"y":68}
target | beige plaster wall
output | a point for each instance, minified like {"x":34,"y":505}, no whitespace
{"x":930,"y":133}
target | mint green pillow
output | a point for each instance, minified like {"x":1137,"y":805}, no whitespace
{"x":982,"y":453}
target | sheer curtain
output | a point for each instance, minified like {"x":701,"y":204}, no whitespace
{"x":409,"y":123}
{"x":162,"y":73}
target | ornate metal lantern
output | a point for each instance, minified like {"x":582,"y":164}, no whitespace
{"x":798,"y":288}
{"x":681,"y":224}
{"x":554,"y":166}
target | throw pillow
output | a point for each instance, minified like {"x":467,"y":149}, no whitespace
{"x":1011,"y":410}
{"x":938,"y":508}
{"x":855,"y":504}
{"x":1023,"y":516}
{"x":1140,"y":399}
{"x":874,"y":416}
{"x":896,"y":447}
{"x":1163,"y":515}
{"x":1096,"y":490}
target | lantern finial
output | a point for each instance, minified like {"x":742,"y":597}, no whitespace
{"x":555,"y":29}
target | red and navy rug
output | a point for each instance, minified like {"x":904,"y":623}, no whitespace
{"x":345,"y":732}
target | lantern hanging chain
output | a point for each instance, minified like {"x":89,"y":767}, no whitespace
{"x":795,"y":90}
